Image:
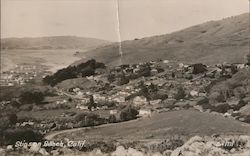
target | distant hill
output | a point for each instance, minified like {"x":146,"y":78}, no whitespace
{"x":220,"y":41}
{"x":54,"y":42}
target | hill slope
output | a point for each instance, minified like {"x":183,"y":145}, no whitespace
{"x":53,"y":42}
{"x":211,"y":42}
{"x":160,"y":126}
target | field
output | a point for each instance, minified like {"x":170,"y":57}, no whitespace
{"x":50,"y":59}
{"x":185,"y":123}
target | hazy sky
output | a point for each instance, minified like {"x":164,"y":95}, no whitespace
{"x":98,"y":18}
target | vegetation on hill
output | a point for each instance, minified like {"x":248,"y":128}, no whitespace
{"x":82,"y":70}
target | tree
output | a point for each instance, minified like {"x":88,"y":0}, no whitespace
{"x":91,"y":103}
{"x":248,"y":59}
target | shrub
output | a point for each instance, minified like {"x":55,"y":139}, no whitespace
{"x":240,"y":104}
{"x":26,"y":107}
{"x":89,"y":119}
{"x":215,"y":97}
{"x":203,"y":101}
{"x":112,"y":119}
{"x":128,"y":113}
{"x":180,"y":93}
{"x":247,"y":119}
{"x":222,"y":108}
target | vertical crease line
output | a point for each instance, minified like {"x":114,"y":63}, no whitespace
{"x":118,"y":29}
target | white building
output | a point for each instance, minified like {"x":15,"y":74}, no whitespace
{"x":112,"y":112}
{"x":145,"y":112}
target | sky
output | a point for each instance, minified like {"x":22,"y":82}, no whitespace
{"x":98,"y":18}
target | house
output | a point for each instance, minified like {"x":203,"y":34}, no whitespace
{"x":145,"y":112}
{"x":140,"y":100}
{"x":82,"y":107}
{"x":112,"y":112}
{"x":165,"y":61}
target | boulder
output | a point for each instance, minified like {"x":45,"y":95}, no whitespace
{"x":120,"y":151}
{"x":2,"y":151}
{"x":9,"y":148}
{"x":134,"y":152}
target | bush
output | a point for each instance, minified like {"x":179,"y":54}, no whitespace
{"x":203,"y":101}
{"x":112,"y":119}
{"x":216,"y":97}
{"x":26,"y":107}
{"x":89,"y":119}
{"x":222,"y":108}
{"x":239,"y":106}
{"x":128,"y":113}
{"x":180,"y":93}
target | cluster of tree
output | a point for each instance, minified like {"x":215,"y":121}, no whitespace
{"x":84,"y":69}
{"x":151,"y":92}
{"x":8,"y":119}
{"x":31,"y":97}
{"x":128,"y":113}
{"x":11,"y":136}
{"x":221,"y":107}
{"x":89,"y":119}
{"x":199,"y":68}
{"x":237,"y":86}
{"x":118,"y":77}
{"x":123,"y":74}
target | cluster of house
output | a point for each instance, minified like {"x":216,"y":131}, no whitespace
{"x":20,"y":75}
{"x":164,"y":75}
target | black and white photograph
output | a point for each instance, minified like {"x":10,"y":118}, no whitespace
{"x":125,"y":78}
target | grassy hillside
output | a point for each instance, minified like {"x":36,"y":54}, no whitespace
{"x":211,"y":42}
{"x":163,"y":125}
{"x":54,"y":42}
